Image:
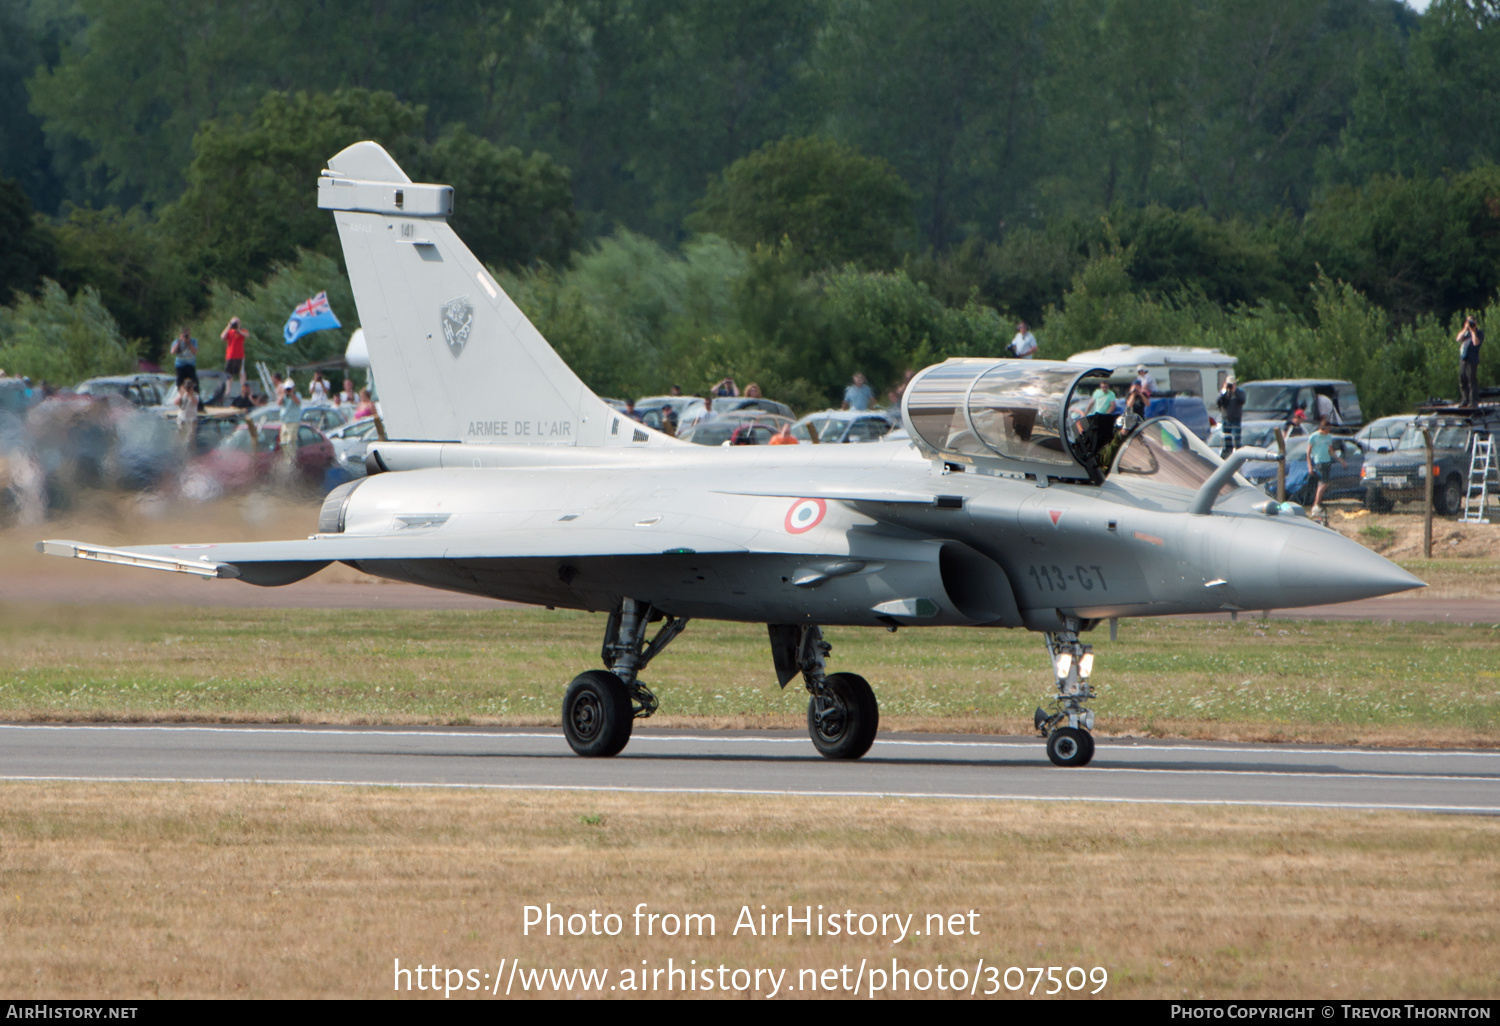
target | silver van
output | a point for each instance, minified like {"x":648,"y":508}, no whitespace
{"x":1183,"y":370}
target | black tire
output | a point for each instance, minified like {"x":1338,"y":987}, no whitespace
{"x":849,"y":729}
{"x":1448,"y":499}
{"x":1069,"y":746}
{"x":596,"y":714}
{"x":1376,"y":502}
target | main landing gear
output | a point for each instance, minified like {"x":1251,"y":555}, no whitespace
{"x":1067,"y":728}
{"x":842,"y":714}
{"x":601,"y":706}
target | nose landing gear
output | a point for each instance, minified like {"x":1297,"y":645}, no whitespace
{"x":1067,"y":728}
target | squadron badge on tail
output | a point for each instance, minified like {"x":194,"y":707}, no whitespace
{"x":458,"y":321}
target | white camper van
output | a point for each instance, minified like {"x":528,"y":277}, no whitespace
{"x":1180,"y":369}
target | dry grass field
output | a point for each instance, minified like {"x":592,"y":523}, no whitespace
{"x":138,"y":890}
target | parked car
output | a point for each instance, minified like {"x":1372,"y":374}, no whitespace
{"x":209,"y":384}
{"x":1301,"y":486}
{"x":1277,"y":400}
{"x":653,"y":409}
{"x":1254,"y":434}
{"x":735,"y":429}
{"x":688,"y":408}
{"x":213,"y":427}
{"x":142,"y":390}
{"x":351,"y":442}
{"x":247,"y":457}
{"x":322,"y":416}
{"x":830,"y":426}
{"x":1398,"y":475}
{"x":1188,"y":409}
{"x":729,"y":406}
{"x":752,"y":404}
{"x":1383,"y":435}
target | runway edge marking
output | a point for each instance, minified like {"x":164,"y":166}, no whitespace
{"x":764,"y":793}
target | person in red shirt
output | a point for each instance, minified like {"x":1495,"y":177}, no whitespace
{"x":234,"y":349}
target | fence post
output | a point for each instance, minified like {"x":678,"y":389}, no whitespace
{"x":1427,"y":476}
{"x":1281,"y":466}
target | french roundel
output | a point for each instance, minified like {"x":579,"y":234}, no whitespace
{"x":804,"y":515}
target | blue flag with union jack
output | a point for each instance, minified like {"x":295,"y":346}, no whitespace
{"x":313,"y":315}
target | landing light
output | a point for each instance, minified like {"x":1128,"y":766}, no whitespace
{"x":1063,"y":663}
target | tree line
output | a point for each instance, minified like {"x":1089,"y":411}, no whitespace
{"x":786,"y":191}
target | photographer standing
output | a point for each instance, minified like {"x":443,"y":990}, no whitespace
{"x":1231,"y":413}
{"x":1469,"y":340}
{"x":1024,"y":345}
{"x":185,"y":357}
{"x":234,"y":350}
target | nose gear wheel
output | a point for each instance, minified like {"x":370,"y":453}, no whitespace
{"x":1069,"y":746}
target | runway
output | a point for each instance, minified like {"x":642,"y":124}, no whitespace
{"x":779,"y":763}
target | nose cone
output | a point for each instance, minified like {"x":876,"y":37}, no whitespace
{"x":1319,"y":568}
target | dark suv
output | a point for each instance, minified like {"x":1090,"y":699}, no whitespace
{"x":1396,"y":476}
{"x":1278,"y":400}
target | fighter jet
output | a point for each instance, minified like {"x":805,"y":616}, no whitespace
{"x":1014,"y":505}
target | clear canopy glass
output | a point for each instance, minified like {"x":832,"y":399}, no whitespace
{"x":1169,"y":453}
{"x":1019,"y":410}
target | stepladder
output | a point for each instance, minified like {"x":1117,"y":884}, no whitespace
{"x":1481,"y":478}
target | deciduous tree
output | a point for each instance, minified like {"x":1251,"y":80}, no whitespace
{"x":829,"y":202}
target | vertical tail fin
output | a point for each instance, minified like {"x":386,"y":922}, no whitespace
{"x":454,"y":358}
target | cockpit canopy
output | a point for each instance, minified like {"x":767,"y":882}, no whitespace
{"x":1016,"y":415}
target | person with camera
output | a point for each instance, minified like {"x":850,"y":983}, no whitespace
{"x":234,"y":349}
{"x":1469,"y":340}
{"x":184,"y":354}
{"x":1024,"y":345}
{"x":1231,"y":414}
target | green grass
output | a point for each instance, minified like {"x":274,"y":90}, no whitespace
{"x":1431,"y":570}
{"x":1202,"y":676}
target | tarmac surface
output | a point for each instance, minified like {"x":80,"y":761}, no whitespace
{"x":768,"y":763}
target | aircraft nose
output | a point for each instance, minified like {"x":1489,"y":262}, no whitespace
{"x":1322,"y":567}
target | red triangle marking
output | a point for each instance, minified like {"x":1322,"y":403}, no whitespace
{"x":1056,"y":515}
